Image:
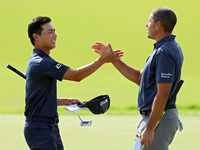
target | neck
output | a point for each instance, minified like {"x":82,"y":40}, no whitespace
{"x":161,"y":36}
{"x":47,"y":51}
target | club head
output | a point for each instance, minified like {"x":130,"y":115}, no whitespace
{"x":86,"y":123}
{"x":138,"y":145}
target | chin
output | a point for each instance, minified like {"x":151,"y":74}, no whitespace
{"x":150,"y":37}
{"x":52,"y":47}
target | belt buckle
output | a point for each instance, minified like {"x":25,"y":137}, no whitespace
{"x":143,"y":113}
{"x":55,"y":121}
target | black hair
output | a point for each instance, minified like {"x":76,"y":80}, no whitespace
{"x":35,"y":26}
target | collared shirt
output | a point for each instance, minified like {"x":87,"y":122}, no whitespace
{"x":41,"y":85}
{"x":162,"y":66}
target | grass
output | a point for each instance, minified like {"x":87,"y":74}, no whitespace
{"x":108,"y":132}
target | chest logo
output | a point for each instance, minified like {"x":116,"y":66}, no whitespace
{"x":58,"y":66}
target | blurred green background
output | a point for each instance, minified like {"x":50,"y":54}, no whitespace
{"x":79,"y":24}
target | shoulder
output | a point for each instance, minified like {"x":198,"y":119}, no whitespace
{"x":170,"y":48}
{"x":47,"y":62}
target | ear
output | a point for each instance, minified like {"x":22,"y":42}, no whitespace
{"x":35,"y":37}
{"x":158,"y":24}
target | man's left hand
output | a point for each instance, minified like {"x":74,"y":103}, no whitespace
{"x":71,"y":101}
{"x":147,"y":137}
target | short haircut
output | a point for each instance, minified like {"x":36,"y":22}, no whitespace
{"x":35,"y":26}
{"x":166,"y":16}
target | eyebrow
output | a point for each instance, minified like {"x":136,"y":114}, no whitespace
{"x":51,"y":30}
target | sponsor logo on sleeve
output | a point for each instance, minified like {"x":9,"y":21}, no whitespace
{"x":58,"y":66}
{"x":166,"y":75}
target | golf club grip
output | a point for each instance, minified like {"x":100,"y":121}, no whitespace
{"x":175,"y":93}
{"x":16,"y":71}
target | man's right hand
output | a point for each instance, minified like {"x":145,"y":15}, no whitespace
{"x":99,"y":47}
{"x":106,"y":52}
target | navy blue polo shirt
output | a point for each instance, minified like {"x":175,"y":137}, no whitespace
{"x":162,"y":66}
{"x":41,"y":85}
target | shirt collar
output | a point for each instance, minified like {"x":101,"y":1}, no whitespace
{"x":40,"y":52}
{"x":163,"y":40}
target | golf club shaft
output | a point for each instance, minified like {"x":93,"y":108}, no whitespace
{"x":174,"y":94}
{"x":78,"y":116}
{"x":16,"y":71}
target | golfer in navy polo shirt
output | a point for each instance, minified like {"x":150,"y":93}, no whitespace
{"x":157,"y":80}
{"x":41,"y":127}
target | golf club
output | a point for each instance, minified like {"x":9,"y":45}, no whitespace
{"x":16,"y":71}
{"x":84,"y":122}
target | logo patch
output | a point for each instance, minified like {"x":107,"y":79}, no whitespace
{"x":166,"y":75}
{"x":104,"y":102}
{"x":58,"y":66}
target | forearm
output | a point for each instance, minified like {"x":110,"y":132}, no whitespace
{"x":87,"y":70}
{"x":128,"y":72}
{"x":156,"y":112}
{"x":82,"y":72}
{"x":67,"y":101}
{"x":159,"y":104}
{"x":61,"y":101}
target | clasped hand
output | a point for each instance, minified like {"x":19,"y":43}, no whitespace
{"x":106,"y":50}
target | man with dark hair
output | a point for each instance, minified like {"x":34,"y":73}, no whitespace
{"x":166,"y":16}
{"x":41,"y":127}
{"x":157,"y":80}
{"x":35,"y":26}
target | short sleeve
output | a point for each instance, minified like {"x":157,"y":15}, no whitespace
{"x":53,"y":69}
{"x":165,"y":67}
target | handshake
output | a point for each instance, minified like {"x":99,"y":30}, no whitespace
{"x":106,"y":52}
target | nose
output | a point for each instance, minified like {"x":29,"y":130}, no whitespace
{"x":147,"y":24}
{"x":55,"y":35}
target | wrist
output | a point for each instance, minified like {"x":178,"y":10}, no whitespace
{"x":149,"y":128}
{"x":100,"y":61}
{"x":151,"y":125}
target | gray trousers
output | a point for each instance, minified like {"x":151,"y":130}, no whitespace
{"x":164,"y":132}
